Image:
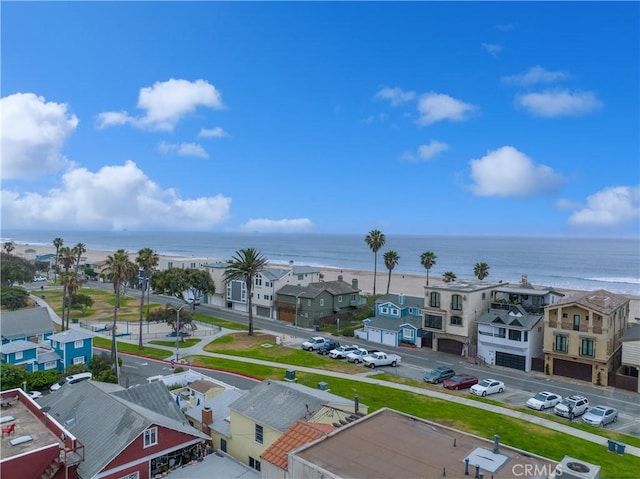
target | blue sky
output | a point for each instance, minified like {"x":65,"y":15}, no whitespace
{"x":413,"y":118}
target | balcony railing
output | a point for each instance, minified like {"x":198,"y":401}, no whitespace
{"x":553,"y":324}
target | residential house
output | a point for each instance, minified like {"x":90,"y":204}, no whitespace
{"x":451,"y":312}
{"x":34,"y":443}
{"x":216,"y":272}
{"x":138,"y":432}
{"x":73,"y":346}
{"x":397,"y":321}
{"x":627,"y":376}
{"x":29,"y":324}
{"x":261,"y":416}
{"x":32,"y":356}
{"x":388,"y":444}
{"x":510,"y":332}
{"x":582,"y":335}
{"x":316,"y":303}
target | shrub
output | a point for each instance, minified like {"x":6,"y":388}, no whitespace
{"x":39,"y":380}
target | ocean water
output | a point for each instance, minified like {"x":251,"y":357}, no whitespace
{"x":573,"y":263}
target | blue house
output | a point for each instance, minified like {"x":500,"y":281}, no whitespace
{"x":397,"y":320}
{"x":73,"y":347}
{"x":29,"y":324}
{"x":32,"y":356}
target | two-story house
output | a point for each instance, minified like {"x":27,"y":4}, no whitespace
{"x":310,"y":305}
{"x":451,"y":312}
{"x":511,"y":331}
{"x":73,"y":347}
{"x":397,"y":320}
{"x":262,"y":415}
{"x":582,"y":335}
{"x":29,"y":324}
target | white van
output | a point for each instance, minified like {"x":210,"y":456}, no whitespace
{"x":75,"y":378}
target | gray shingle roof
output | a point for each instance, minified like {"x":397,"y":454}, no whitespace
{"x":278,"y":404}
{"x":401,"y":301}
{"x":632,"y":334}
{"x":220,"y":405}
{"x":516,"y":317}
{"x":274,"y":274}
{"x":25,"y":322}
{"x":313,"y":290}
{"x":393,"y":324}
{"x":17,"y":346}
{"x":69,"y":336}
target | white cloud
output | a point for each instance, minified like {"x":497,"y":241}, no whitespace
{"x":508,"y":172}
{"x":534,"y":75}
{"x":567,"y":205}
{"x":114,"y":197}
{"x":264,"y":225}
{"x":33,"y":134}
{"x":183,"y":149}
{"x":396,"y":96}
{"x":492,"y":48}
{"x":559,"y":103}
{"x":216,"y":132}
{"x":426,"y":152}
{"x":434,"y":107}
{"x":165,"y":104}
{"x":608,"y":207}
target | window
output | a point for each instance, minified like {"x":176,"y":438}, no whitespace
{"x":484,"y":295}
{"x":259,"y":434}
{"x":300,"y":277}
{"x":49,"y":365}
{"x":456,"y":320}
{"x":193,"y":266}
{"x":223,"y":445}
{"x":434,"y":300}
{"x":254,"y":463}
{"x":258,"y":281}
{"x":526,"y":336}
{"x":586,"y":347}
{"x":308,"y":302}
{"x":515,"y":335}
{"x":576,"y":322}
{"x":560,"y":344}
{"x":353,"y":297}
{"x":170,"y":264}
{"x":78,"y":343}
{"x":394,"y":311}
{"x":18,"y":355}
{"x":565,"y":315}
{"x":432,"y":321}
{"x":408,"y":333}
{"x":151,"y":437}
{"x":321,"y":301}
{"x":502,"y":333}
{"x":456,"y":302}
{"x":78,"y":360}
{"x":384,"y":310}
{"x":339,"y":299}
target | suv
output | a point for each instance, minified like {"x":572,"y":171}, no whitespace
{"x":328,"y":346}
{"x":341,"y":351}
{"x":577,"y":405}
{"x":76,"y":378}
{"x":314,"y":343}
{"x":438,"y":375}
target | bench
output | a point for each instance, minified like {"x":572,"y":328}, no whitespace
{"x":8,"y":401}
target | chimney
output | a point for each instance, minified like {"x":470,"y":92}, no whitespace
{"x":401,"y":298}
{"x":339,"y":277}
{"x":354,"y":283}
{"x":207,"y":419}
{"x":524,"y":281}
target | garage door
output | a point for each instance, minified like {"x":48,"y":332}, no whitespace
{"x":262,"y":311}
{"x":512,"y":361}
{"x":240,"y":307}
{"x":572,"y":369}
{"x":450,"y":346}
{"x":427,"y":340}
{"x":286,"y":315}
{"x":389,"y":338}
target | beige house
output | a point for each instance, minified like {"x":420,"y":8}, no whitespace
{"x":450,"y":315}
{"x":582,"y":335}
{"x":631,"y":358}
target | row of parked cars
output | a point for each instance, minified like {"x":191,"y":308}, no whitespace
{"x":371,"y":358}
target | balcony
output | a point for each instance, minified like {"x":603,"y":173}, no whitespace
{"x":553,"y":324}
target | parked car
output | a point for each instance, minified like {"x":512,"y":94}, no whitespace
{"x":357,"y":355}
{"x":576,"y":404}
{"x":543,"y":400}
{"x":328,"y":346}
{"x":381,"y":359}
{"x":39,"y":279}
{"x":35,"y":394}
{"x":71,"y":380}
{"x":314,"y":343}
{"x":486,"y":387}
{"x":600,"y":416}
{"x":460,"y":381}
{"x":341,"y":351}
{"x":438,"y":375}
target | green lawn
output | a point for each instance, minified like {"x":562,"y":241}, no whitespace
{"x":223,"y":323}
{"x":187,"y":343}
{"x":155,"y":353}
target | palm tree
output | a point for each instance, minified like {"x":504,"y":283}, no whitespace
{"x":78,"y":250}
{"x":391,"y":259}
{"x":481,"y":270}
{"x":71,"y":282}
{"x":244,"y":266}
{"x":66,"y":257}
{"x":57,"y":242}
{"x":147,"y":260}
{"x":118,"y":269}
{"x":449,"y":277}
{"x":428,"y":259}
{"x":375,"y":240}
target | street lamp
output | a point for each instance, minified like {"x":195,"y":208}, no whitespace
{"x":295,"y":319}
{"x":177,"y":310}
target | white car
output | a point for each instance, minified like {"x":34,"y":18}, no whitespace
{"x":39,"y":279}
{"x":341,"y":351}
{"x":35,"y":394}
{"x":357,"y":355}
{"x":600,"y":416}
{"x":487,"y":386}
{"x":573,"y":405}
{"x":314,"y":343}
{"x":543,"y":400}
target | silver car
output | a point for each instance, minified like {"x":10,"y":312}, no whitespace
{"x":600,"y":416}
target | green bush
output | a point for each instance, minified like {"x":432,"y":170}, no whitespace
{"x":12,"y":376}
{"x":76,"y":369}
{"x":40,"y":380}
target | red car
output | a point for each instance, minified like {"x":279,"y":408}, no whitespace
{"x":460,"y":381}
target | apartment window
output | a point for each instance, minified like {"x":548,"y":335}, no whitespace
{"x":254,"y":463}
{"x":384,"y":310}
{"x":515,"y":335}
{"x":19,"y":355}
{"x":456,"y":302}
{"x":434,"y":300}
{"x":456,"y":320}
{"x":259,"y":434}
{"x":432,"y":321}
{"x":339,"y":299}
{"x":78,"y":360}
{"x":258,"y":281}
{"x":586,"y":347}
{"x":502,"y":333}
{"x":151,"y":437}
{"x":560,"y":344}
{"x":321,"y":301}
{"x":576,"y":322}
{"x":78,"y":344}
{"x":268,"y":284}
{"x":49,"y":365}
